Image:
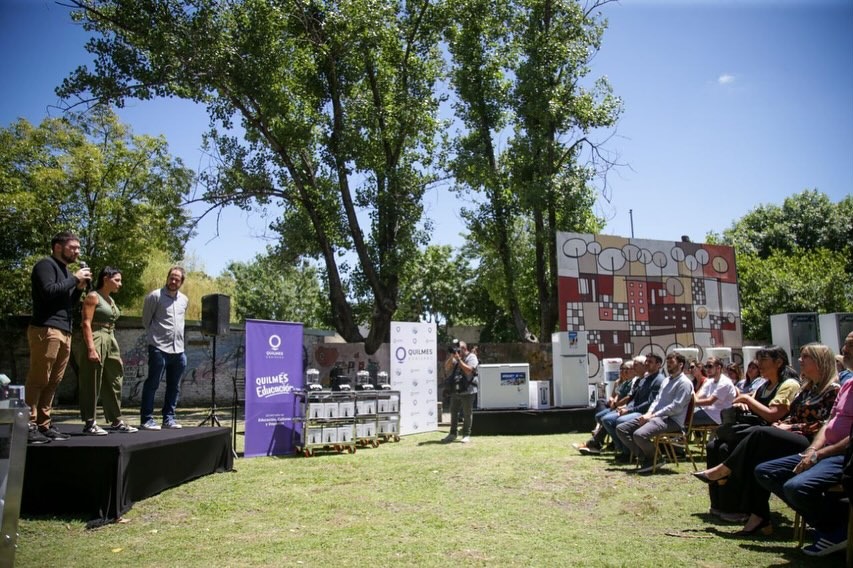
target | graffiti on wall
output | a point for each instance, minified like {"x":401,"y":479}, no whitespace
{"x":638,"y":296}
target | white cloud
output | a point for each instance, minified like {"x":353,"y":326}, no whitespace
{"x":726,"y":79}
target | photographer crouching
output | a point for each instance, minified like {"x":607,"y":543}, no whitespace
{"x":461,"y":381}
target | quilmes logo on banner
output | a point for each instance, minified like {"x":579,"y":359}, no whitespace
{"x":403,"y":353}
{"x":275,"y":385}
{"x":274,"y":352}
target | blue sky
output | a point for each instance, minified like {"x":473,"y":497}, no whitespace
{"x":728,"y":104}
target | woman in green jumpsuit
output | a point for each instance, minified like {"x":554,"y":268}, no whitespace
{"x":101,"y":368}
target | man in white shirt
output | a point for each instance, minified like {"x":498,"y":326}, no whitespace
{"x":716,"y":393}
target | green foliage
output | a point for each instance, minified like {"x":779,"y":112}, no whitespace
{"x":796,"y":257}
{"x":122,"y":194}
{"x":797,"y":280}
{"x":338,"y":106}
{"x":522,"y":66}
{"x":806,"y":220}
{"x":197,"y":284}
{"x":437,"y":288}
{"x":272,"y":289}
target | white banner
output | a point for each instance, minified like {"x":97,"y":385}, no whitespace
{"x":413,"y":368}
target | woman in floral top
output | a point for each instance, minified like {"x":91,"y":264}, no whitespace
{"x":788,"y":436}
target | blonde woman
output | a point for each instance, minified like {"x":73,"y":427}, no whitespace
{"x":793,"y":434}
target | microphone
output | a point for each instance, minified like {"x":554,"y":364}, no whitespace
{"x":82,"y":264}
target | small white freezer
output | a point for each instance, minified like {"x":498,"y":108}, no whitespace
{"x":504,"y":386}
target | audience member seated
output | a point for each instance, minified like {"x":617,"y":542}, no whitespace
{"x":667,"y":413}
{"x":716,"y":393}
{"x":620,"y":396}
{"x":644,"y":390}
{"x":794,"y":433}
{"x":802,"y":480}
{"x":733,"y":372}
{"x":845,"y":367}
{"x":696,"y":374}
{"x":764,"y":405}
{"x":751,"y":379}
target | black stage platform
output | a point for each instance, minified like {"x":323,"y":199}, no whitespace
{"x":100,"y":477}
{"x":522,"y":422}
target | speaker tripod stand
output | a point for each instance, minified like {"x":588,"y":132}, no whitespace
{"x":211,"y":413}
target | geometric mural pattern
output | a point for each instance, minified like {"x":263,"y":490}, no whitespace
{"x":638,"y":295}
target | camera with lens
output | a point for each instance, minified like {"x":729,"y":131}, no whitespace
{"x":454,"y":347}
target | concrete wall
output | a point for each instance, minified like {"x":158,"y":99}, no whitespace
{"x":196,"y":383}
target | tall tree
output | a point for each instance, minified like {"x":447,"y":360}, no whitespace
{"x":338,"y":104}
{"x":437,"y":289}
{"x":793,"y":257}
{"x":807,"y":220}
{"x":791,"y":281}
{"x":521,"y":65}
{"x":270,"y":288}
{"x":120,"y":193}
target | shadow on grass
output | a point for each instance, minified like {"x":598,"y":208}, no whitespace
{"x":783,"y":532}
{"x":781,"y":542}
{"x":433,"y":443}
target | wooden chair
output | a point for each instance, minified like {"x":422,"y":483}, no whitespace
{"x":701,"y":436}
{"x":670,"y":442}
{"x":800,"y":526}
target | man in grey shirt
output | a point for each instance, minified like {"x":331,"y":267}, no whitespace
{"x":163,"y":315}
{"x":667,"y":413}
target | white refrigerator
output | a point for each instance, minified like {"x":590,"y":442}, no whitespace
{"x":571,"y":368}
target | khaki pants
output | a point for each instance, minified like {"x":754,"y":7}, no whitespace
{"x":50,"y":349}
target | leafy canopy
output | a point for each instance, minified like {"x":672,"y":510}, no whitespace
{"x":121,"y":193}
{"x":338,"y":108}
{"x":794,"y":257}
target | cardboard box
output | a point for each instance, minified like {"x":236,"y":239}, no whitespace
{"x":540,"y":395}
{"x":345,"y":434}
{"x":314,"y":436}
{"x":346,"y":409}
{"x":365,"y":407}
{"x":366,"y":429}
{"x":331,"y":410}
{"x":330,"y":435}
{"x":388,"y":426}
{"x":316,"y":410}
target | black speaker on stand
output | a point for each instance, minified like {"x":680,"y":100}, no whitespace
{"x":215,"y":318}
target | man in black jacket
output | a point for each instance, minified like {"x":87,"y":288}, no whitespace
{"x":642,"y":394}
{"x":54,"y":292}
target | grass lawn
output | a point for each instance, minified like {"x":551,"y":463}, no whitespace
{"x":498,"y":501}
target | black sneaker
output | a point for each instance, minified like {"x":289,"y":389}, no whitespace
{"x":52,"y":433}
{"x":34,"y":437}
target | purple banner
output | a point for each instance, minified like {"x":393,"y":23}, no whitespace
{"x":273,"y":372}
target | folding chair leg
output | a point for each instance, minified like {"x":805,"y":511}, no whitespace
{"x":799,"y":529}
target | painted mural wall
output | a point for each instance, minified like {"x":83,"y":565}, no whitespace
{"x":635,"y":296}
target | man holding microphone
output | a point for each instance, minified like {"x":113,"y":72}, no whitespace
{"x":54,"y":293}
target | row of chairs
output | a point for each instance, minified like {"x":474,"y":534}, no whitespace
{"x":693,"y":440}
